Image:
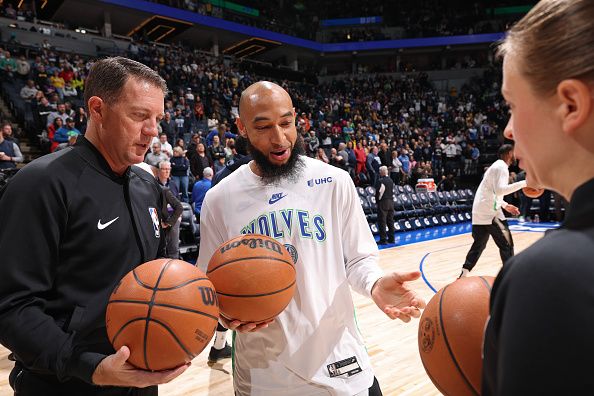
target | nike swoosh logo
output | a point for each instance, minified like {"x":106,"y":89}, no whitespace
{"x":276,"y":199}
{"x":103,"y":226}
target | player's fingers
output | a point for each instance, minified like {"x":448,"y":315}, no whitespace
{"x":419,"y":303}
{"x":412,"y":311}
{"x":393,"y":313}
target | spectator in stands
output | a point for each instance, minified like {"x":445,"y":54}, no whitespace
{"x":51,"y":132}
{"x":171,"y":210}
{"x":447,"y":183}
{"x":406,"y":166}
{"x":321,"y":155}
{"x":181,"y":143}
{"x":166,"y":148}
{"x":220,"y":131}
{"x":78,"y":82}
{"x":58,"y":84}
{"x":8,"y":66}
{"x":169,"y":128}
{"x":395,"y":168}
{"x":61,"y":135}
{"x":155,"y":157}
{"x":199,"y":161}
{"x":373,"y":164}
{"x":342,"y":152}
{"x":59,"y":113}
{"x":29,"y":92}
{"x":69,"y":91}
{"x":72,"y":137}
{"x":199,"y":191}
{"x":8,"y":134}
{"x":180,"y":168}
{"x":10,"y":153}
{"x":80,"y":120}
{"x":180,"y":123}
{"x":216,"y":150}
{"x":361,"y":158}
{"x":23,"y":68}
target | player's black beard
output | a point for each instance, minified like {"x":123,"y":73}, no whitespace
{"x":275,"y":174}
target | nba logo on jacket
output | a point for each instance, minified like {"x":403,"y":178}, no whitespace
{"x":155,"y":219}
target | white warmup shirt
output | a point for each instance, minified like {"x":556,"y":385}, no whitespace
{"x":488,"y":199}
{"x":320,"y":215}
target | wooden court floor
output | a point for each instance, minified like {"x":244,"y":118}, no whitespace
{"x":392,"y":345}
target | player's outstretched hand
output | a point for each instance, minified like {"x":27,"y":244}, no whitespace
{"x":512,"y":209}
{"x":395,"y":299}
{"x":115,"y":371}
{"x":245,"y":327}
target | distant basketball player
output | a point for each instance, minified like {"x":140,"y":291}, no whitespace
{"x":487,"y":216}
{"x":313,"y":346}
{"x":542,"y":304}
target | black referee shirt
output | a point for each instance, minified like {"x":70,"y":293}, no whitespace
{"x":540,"y":336}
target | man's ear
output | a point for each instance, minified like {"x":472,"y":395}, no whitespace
{"x":575,"y":104}
{"x":96,"y":107}
{"x":240,"y":127}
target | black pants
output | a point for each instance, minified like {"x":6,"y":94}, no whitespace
{"x":375,"y":389}
{"x":27,"y":383}
{"x":385,"y":215}
{"x":499,"y":230}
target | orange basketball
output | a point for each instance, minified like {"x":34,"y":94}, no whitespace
{"x":451,"y":335}
{"x":254,"y":277}
{"x":532,"y":192}
{"x":165,"y":311}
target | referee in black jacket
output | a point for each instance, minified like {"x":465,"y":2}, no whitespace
{"x":384,"y":189}
{"x":538,"y":340}
{"x":73,"y":223}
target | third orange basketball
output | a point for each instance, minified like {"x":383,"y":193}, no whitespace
{"x":451,"y":335}
{"x":532,"y":192}
{"x":254,"y":277}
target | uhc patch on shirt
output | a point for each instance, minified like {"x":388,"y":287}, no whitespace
{"x":155,"y":219}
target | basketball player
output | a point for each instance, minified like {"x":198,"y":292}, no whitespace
{"x":313,"y":347}
{"x":487,"y":216}
{"x":73,"y":224}
{"x":538,"y":340}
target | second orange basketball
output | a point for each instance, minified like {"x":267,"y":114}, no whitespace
{"x":254,"y":277}
{"x":532,"y":192}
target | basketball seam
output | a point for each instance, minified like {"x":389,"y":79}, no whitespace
{"x":486,"y":284}
{"x":124,"y":326}
{"x":445,"y":338}
{"x":250,"y":258}
{"x":182,"y":346}
{"x":256,"y":295}
{"x":163,"y":305}
{"x":150,"y":308}
{"x":141,"y":283}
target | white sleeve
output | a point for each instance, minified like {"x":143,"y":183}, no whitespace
{"x":502,"y":187}
{"x":210,"y":233}
{"x":360,"y":251}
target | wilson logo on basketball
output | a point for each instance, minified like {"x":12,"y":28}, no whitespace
{"x":209,"y":296}
{"x":427,"y":335}
{"x":254,"y":243}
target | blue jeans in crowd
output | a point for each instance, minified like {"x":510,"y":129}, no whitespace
{"x":181,"y":182}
